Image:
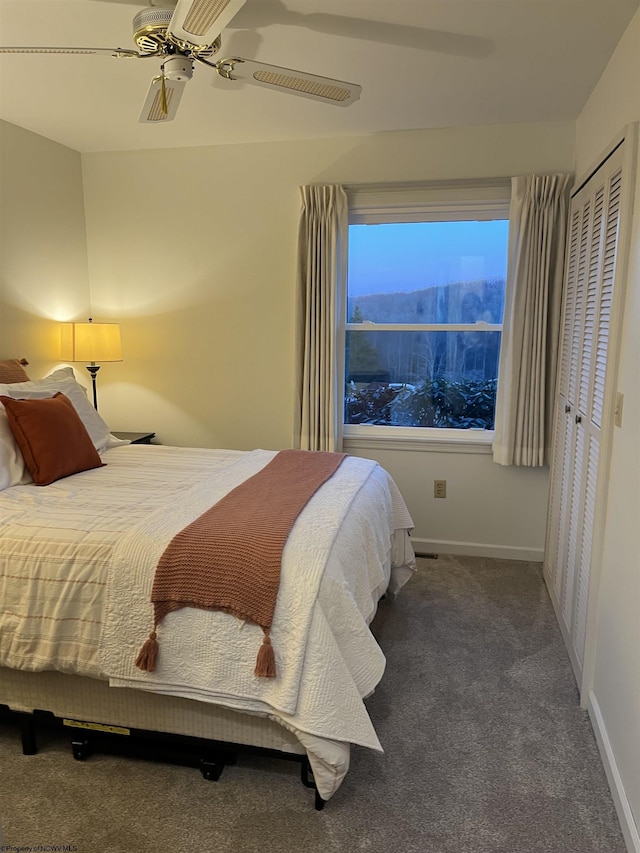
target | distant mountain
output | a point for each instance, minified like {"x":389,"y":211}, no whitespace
{"x":458,"y":302}
{"x":419,"y":356}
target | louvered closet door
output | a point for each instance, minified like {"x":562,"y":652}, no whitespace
{"x":584,"y":350}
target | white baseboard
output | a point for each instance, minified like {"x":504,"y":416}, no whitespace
{"x":476,"y":549}
{"x":623,"y":808}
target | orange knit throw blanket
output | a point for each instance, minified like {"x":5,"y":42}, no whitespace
{"x":229,"y":558}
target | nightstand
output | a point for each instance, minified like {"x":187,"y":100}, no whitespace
{"x":136,"y":437}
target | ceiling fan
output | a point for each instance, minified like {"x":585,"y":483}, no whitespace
{"x":188,"y":31}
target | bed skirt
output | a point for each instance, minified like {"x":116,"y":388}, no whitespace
{"x":89,"y":699}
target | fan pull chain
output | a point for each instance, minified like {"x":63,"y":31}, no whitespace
{"x":164,"y":107}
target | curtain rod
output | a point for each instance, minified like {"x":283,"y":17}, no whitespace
{"x":439,"y":184}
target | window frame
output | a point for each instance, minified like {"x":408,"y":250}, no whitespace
{"x":441,"y":201}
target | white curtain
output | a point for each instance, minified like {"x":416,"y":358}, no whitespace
{"x":322,"y":253}
{"x":528,"y":356}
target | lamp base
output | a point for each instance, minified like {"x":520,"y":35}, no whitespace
{"x":93,"y":370}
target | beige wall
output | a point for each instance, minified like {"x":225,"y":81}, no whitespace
{"x":615,"y":692}
{"x":194,"y":251}
{"x":43,"y":250}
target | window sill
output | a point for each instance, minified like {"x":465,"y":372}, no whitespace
{"x":416,"y":439}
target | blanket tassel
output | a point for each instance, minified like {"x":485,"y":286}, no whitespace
{"x":146,"y":660}
{"x":266,"y":661}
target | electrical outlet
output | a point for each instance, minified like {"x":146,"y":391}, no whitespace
{"x":439,"y":488}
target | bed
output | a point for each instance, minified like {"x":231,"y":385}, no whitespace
{"x":77,"y":564}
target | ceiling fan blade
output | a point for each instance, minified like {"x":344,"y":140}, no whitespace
{"x":324,"y":89}
{"x":161,"y":103}
{"x":200,"y":22}
{"x":112,"y":51}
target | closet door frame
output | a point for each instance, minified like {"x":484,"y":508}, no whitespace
{"x":628,"y":137}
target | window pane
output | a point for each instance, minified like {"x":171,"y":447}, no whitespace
{"x":427,"y":272}
{"x":421,"y":379}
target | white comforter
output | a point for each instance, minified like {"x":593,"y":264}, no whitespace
{"x":85,"y":563}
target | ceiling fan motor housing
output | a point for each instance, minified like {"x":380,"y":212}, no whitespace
{"x":150,"y":28}
{"x":151,"y":34}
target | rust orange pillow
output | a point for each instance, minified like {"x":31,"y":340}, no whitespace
{"x":51,"y":437}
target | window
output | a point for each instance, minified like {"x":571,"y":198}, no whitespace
{"x":423,"y":310}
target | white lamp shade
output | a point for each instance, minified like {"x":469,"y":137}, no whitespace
{"x":92,"y":342}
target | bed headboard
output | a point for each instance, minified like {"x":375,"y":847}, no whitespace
{"x":13,"y":370}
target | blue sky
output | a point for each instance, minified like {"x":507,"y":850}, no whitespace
{"x":411,"y":256}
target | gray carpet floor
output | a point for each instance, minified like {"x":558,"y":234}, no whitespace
{"x":486,"y":751}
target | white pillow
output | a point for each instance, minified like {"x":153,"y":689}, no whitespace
{"x":68,"y":373}
{"x":62,"y":373}
{"x":13,"y":471}
{"x":64,"y":380}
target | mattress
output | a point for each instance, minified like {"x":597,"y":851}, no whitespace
{"x":58,"y":555}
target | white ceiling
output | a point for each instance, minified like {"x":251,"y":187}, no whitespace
{"x":421,"y":63}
